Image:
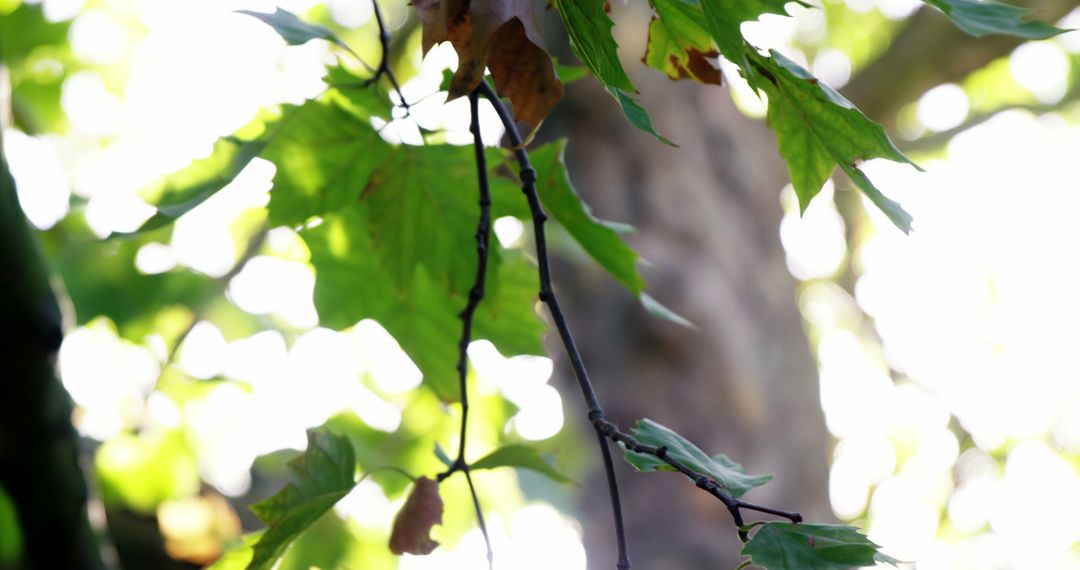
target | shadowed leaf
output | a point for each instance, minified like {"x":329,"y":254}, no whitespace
{"x":322,"y":476}
{"x":983,"y":17}
{"x":785,"y":546}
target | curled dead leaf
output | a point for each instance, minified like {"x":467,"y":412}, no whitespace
{"x":412,"y":525}
{"x":500,"y":35}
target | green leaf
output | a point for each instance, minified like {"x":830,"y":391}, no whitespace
{"x":589,"y":28}
{"x":521,"y":456}
{"x":655,"y":308}
{"x":142,"y":471}
{"x":11,"y":539}
{"x":441,"y":455}
{"x":785,"y":546}
{"x":322,"y":476}
{"x":392,"y":251}
{"x":569,"y":73}
{"x":981,"y":17}
{"x":679,"y":43}
{"x":325,"y":157}
{"x":730,"y":475}
{"x":636,"y":114}
{"x":183,"y":190}
{"x":723,"y":19}
{"x":817,"y":129}
{"x":294,"y":30}
{"x":238,"y":555}
{"x":597,"y":237}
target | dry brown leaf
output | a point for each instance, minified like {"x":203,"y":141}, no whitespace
{"x":412,"y":525}
{"x":500,"y":35}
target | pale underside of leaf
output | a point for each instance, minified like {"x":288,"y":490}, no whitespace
{"x":731,"y":476}
{"x":982,"y":17}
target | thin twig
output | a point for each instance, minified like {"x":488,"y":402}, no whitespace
{"x":547,"y":295}
{"x":606,"y":429}
{"x":384,"y":61}
{"x":476,"y":294}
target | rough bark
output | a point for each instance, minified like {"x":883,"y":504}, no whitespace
{"x":38,"y":456}
{"x":745,"y":384}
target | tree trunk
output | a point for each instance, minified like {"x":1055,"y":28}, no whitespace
{"x":38,"y":456}
{"x":744,"y":383}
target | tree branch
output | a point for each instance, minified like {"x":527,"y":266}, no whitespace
{"x":605,"y":429}
{"x":476,"y":294}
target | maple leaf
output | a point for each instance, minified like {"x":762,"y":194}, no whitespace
{"x":500,"y":35}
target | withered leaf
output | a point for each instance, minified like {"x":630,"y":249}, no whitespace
{"x":412,"y":525}
{"x":501,"y":35}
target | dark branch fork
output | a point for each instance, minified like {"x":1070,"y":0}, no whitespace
{"x":383,"y":68}
{"x":476,"y":294}
{"x":605,"y":429}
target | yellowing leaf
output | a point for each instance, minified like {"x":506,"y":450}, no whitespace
{"x":679,"y":45}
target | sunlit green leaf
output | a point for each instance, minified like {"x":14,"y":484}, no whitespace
{"x":141,"y":472}
{"x":679,"y":44}
{"x":785,"y":546}
{"x":392,"y":251}
{"x":521,"y":456}
{"x":183,"y":190}
{"x":982,"y":17}
{"x":730,"y":475}
{"x":723,"y":20}
{"x":294,"y":30}
{"x":237,"y":556}
{"x":817,"y":129}
{"x":325,"y":157}
{"x":322,"y":476}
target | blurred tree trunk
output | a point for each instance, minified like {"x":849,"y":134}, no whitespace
{"x":744,"y":384}
{"x":708,"y":216}
{"x":38,"y":456}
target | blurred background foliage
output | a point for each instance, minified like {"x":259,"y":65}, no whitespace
{"x":196,"y":361}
